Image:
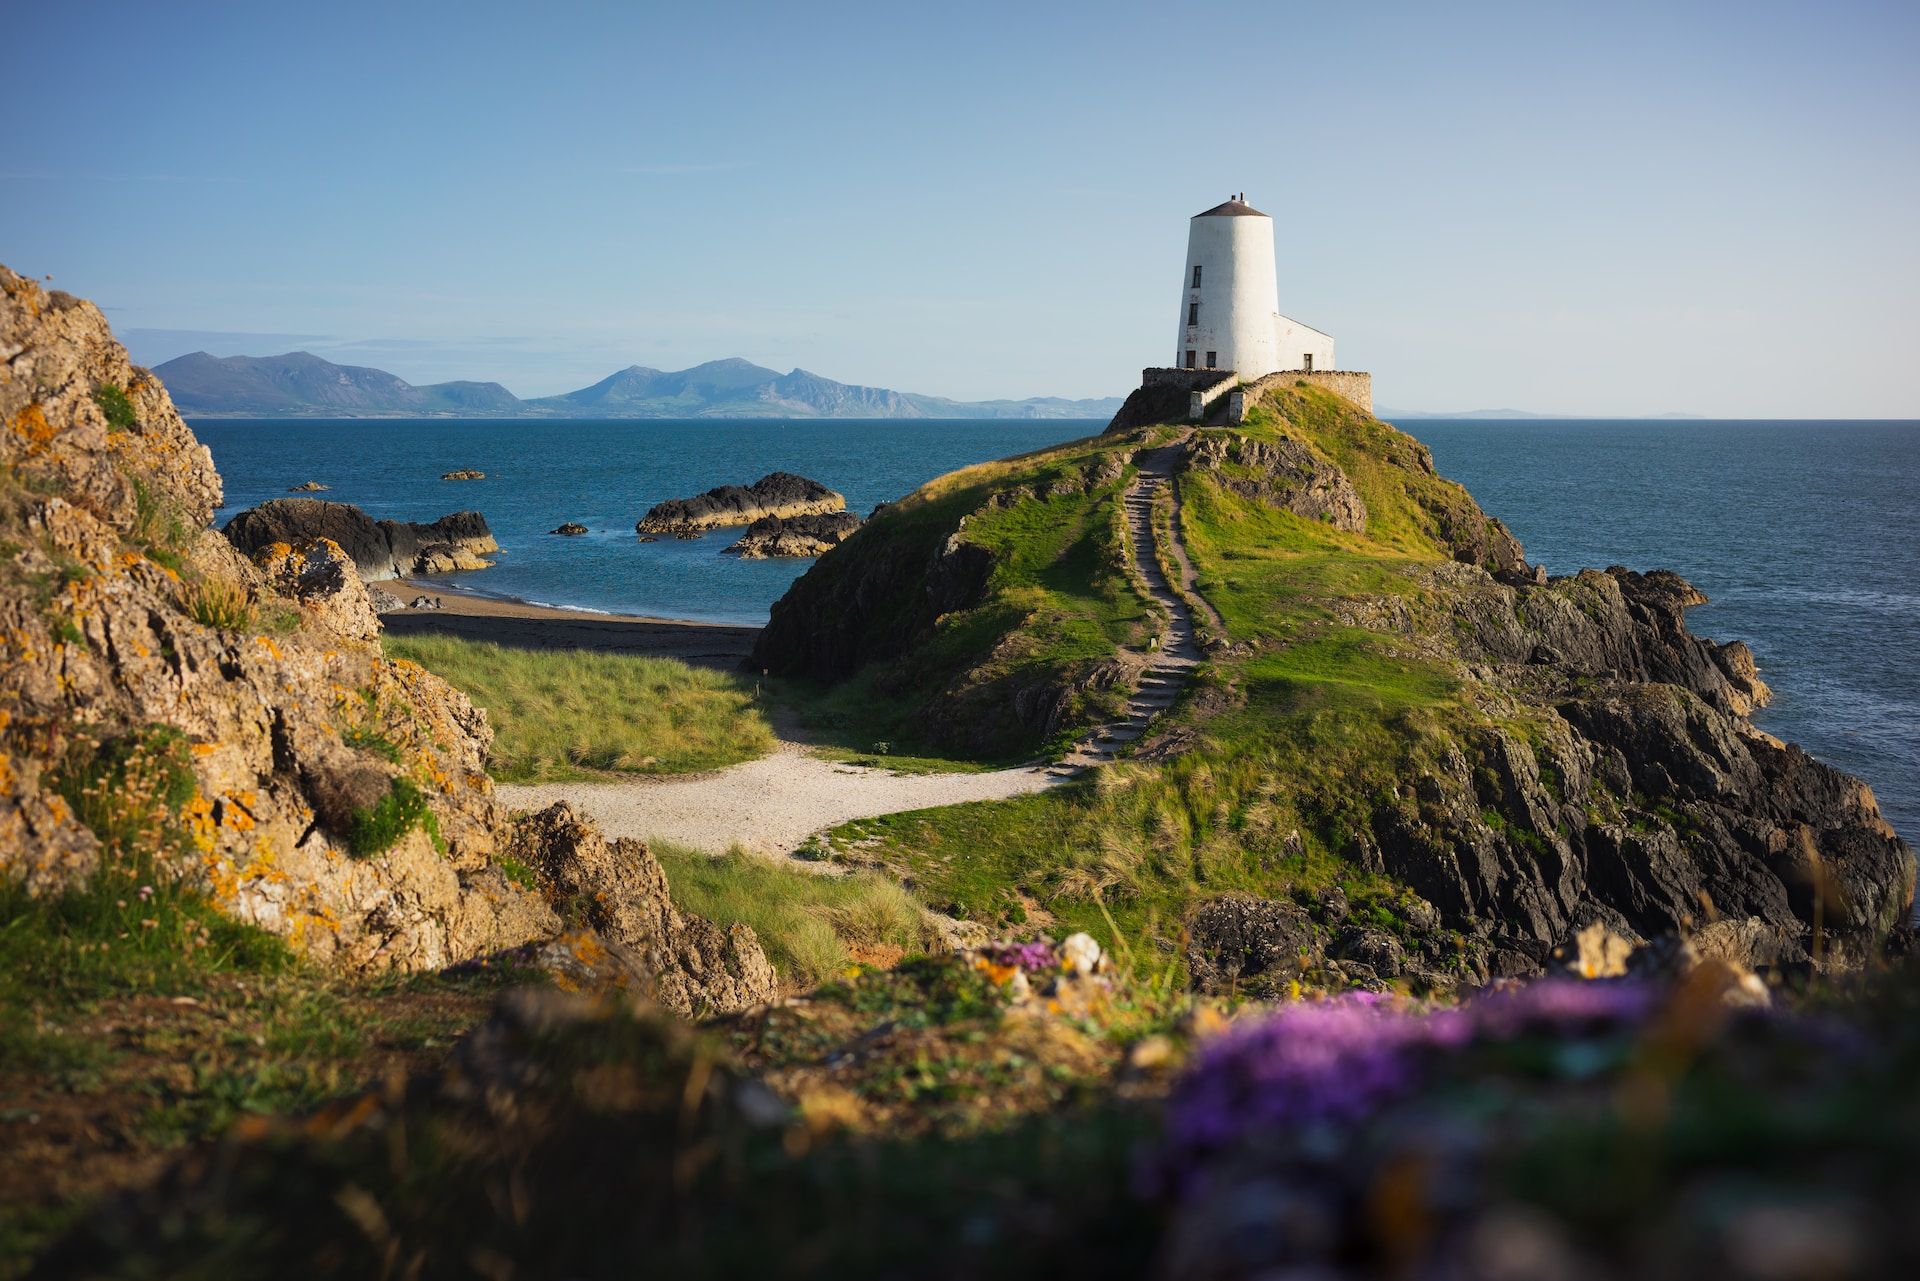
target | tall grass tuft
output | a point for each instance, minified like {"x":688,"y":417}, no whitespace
{"x":219,"y":603}
{"x":568,"y":714}
{"x":812,"y":925}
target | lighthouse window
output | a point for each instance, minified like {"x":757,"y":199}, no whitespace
{"x":1193,"y":313}
{"x":1213,"y":359}
{"x":1190,"y":356}
{"x":1196,"y":277}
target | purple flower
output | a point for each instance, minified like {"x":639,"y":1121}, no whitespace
{"x":1035,"y":957}
{"x":1338,"y":1062}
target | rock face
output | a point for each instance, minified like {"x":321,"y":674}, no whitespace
{"x":380,"y":549}
{"x":1285,"y":475}
{"x":1247,"y":944}
{"x":320,"y":576}
{"x":775,"y":494}
{"x":253,"y":723}
{"x":776,"y":536}
{"x":619,"y":890}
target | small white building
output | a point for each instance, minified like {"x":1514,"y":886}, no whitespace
{"x":1230,"y":300}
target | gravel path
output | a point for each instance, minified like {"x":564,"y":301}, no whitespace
{"x":773,"y":805}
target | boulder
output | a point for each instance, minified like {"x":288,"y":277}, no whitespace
{"x":321,"y":577}
{"x":380,"y":549}
{"x":619,"y":890}
{"x":570,"y":530}
{"x":310,"y":487}
{"x":465,"y":473}
{"x":775,"y":494}
{"x":1247,"y":945}
{"x":796,"y":536}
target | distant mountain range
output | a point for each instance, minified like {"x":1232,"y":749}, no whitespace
{"x":300,"y":384}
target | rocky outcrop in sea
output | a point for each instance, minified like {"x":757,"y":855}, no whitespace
{"x":380,"y":549}
{"x":797,"y":536}
{"x":779,"y":493}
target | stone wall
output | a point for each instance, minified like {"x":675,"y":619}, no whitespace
{"x":1352,"y":384}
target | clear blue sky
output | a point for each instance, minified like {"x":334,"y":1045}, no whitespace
{"x":1608,"y":208}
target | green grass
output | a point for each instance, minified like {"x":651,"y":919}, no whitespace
{"x":381,"y":826}
{"x":812,"y":925}
{"x":569,"y":714}
{"x":115,"y":405}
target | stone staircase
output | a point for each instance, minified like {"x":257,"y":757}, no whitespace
{"x":1179,"y":650}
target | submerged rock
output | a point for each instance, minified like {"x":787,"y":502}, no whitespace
{"x":380,"y":549}
{"x":310,"y":487}
{"x":778,"y":536}
{"x":775,"y":494}
{"x":570,"y":530}
{"x":465,"y":473}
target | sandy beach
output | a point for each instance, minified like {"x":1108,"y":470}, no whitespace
{"x":525,"y":626}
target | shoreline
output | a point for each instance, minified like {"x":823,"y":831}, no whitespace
{"x":521,"y":624}
{"x":467,"y":601}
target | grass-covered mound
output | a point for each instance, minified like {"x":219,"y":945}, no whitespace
{"x":978,"y":613}
{"x":576,"y":714}
{"x":1397,"y":708}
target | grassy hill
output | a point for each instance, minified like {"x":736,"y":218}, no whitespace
{"x":1400,"y":724}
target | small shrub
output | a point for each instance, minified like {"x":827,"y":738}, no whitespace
{"x":218,"y":603}
{"x":128,"y":790}
{"x":116,"y":405}
{"x":517,"y":872}
{"x":158,"y":525}
{"x":379,"y":828}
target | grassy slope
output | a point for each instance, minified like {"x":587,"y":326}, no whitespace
{"x":813,"y":925}
{"x":1059,"y":597}
{"x":574,"y":715}
{"x":1298,"y":729}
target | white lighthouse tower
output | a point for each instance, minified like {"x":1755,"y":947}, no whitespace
{"x":1230,"y":301}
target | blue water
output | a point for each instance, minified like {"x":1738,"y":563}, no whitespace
{"x":605,"y":475}
{"x":1805,"y":536}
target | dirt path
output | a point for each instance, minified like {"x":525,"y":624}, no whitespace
{"x":775,"y":804}
{"x":771,"y":805}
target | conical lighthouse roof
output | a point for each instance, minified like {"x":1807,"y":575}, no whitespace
{"x":1232,"y":209}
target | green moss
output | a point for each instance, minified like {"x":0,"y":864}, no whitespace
{"x":381,"y":826}
{"x":517,"y":872}
{"x":116,"y":405}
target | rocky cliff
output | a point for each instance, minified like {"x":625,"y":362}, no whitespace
{"x":1396,"y":694}
{"x":170,"y":707}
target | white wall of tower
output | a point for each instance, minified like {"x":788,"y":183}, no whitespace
{"x":1238,"y":296}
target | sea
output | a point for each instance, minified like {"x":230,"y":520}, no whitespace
{"x":1805,"y":536}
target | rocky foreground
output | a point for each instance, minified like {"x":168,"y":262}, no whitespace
{"x":778,"y":494}
{"x":213,"y":712}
